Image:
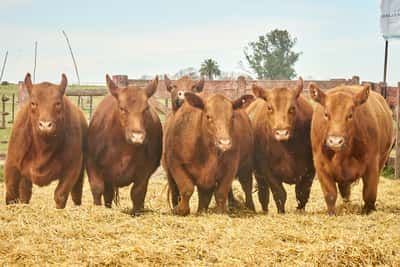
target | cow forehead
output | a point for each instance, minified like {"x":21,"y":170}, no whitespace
{"x":282,"y":97}
{"x":338,"y":103}
{"x":132,"y":95}
{"x":184,"y":84}
{"x":45,"y":91}
{"x":219,"y":104}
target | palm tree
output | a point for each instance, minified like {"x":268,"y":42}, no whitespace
{"x":209,"y":68}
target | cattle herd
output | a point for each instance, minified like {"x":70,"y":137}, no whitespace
{"x":207,"y":141}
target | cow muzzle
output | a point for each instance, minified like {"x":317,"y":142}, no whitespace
{"x":46,"y":127}
{"x":137,"y":138}
{"x":335,"y":142}
{"x":282,"y":134}
{"x":224,"y":144}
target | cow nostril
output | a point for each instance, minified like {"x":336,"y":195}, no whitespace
{"x":45,"y":124}
{"x":224,"y":141}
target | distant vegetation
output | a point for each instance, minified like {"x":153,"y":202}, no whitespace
{"x":271,"y":56}
{"x":210,"y":69}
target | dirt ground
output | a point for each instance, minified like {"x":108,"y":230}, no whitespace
{"x":38,"y":234}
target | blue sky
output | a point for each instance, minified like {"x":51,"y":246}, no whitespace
{"x":337,"y":38}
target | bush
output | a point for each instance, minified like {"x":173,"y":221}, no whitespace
{"x":5,"y":83}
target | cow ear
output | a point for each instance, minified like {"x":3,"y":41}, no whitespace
{"x":112,"y":87}
{"x":242,"y":101}
{"x":63,"y":84}
{"x":260,"y":92}
{"x":152,"y":87}
{"x":194,"y":100}
{"x":362,"y":96}
{"x":198,"y":87}
{"x":316,"y":94}
{"x":299,"y":87}
{"x":28,"y":83}
{"x":168,"y":83}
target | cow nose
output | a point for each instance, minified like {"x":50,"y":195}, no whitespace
{"x":46,"y":125}
{"x":137,"y":137}
{"x":282,"y":134}
{"x":224,"y":143}
{"x":335,"y":141}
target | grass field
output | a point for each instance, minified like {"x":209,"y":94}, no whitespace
{"x":38,"y":234}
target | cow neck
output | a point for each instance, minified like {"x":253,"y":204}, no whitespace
{"x":46,"y":147}
{"x":205,"y":138}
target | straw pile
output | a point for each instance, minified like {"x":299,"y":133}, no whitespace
{"x":38,"y":234}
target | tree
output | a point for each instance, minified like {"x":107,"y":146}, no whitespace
{"x":209,"y":68}
{"x":271,"y":56}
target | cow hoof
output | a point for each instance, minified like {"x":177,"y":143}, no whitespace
{"x":180,"y":212}
{"x":367,"y":210}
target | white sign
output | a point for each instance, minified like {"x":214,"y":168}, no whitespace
{"x":390,"y":18}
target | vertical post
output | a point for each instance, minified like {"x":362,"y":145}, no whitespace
{"x":90,"y":107}
{"x":3,"y":114}
{"x":13,"y":108}
{"x":385,"y":69}
{"x":73,"y":57}
{"x":4,"y":66}
{"x":397,"y":147}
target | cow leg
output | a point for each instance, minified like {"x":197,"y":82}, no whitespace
{"x":173,"y":190}
{"x":204,"y":199}
{"x":25,"y":190}
{"x":246,"y":181}
{"x":138,"y":193}
{"x":96,"y":182}
{"x":12,"y":179}
{"x":108,"y":194}
{"x":76,"y":193}
{"x":329,"y":190}
{"x":185,"y":187}
{"x":345,"y":191}
{"x":232,"y":201}
{"x":370,"y":188}
{"x":223,"y":188}
{"x":65,"y":186}
{"x":303,"y":189}
{"x":279,"y":194}
{"x":263,"y":192}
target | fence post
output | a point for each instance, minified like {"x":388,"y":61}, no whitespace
{"x":397,"y":159}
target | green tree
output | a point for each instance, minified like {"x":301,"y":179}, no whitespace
{"x":271,"y":56}
{"x":210,"y":69}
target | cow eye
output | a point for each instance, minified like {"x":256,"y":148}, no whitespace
{"x":58,"y":105}
{"x":209,"y":118}
{"x":33,"y":104}
{"x":350,"y":116}
{"x":122,"y":110}
{"x":269,"y":108}
{"x":326,"y":115}
{"x":292,"y":109}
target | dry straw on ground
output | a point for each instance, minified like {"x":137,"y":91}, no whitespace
{"x":38,"y":234}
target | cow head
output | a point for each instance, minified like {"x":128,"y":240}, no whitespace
{"x":133,"y":109}
{"x":46,"y":105}
{"x":217,"y":117}
{"x":180,"y":87}
{"x":281,"y":109}
{"x":339,"y":108}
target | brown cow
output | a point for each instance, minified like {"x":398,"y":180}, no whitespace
{"x":46,"y":144}
{"x":281,"y":118}
{"x":206,"y":144}
{"x":351,"y":135}
{"x":124,"y":143}
{"x":178,"y":89}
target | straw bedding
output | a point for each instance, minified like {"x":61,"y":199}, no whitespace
{"x":38,"y":234}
